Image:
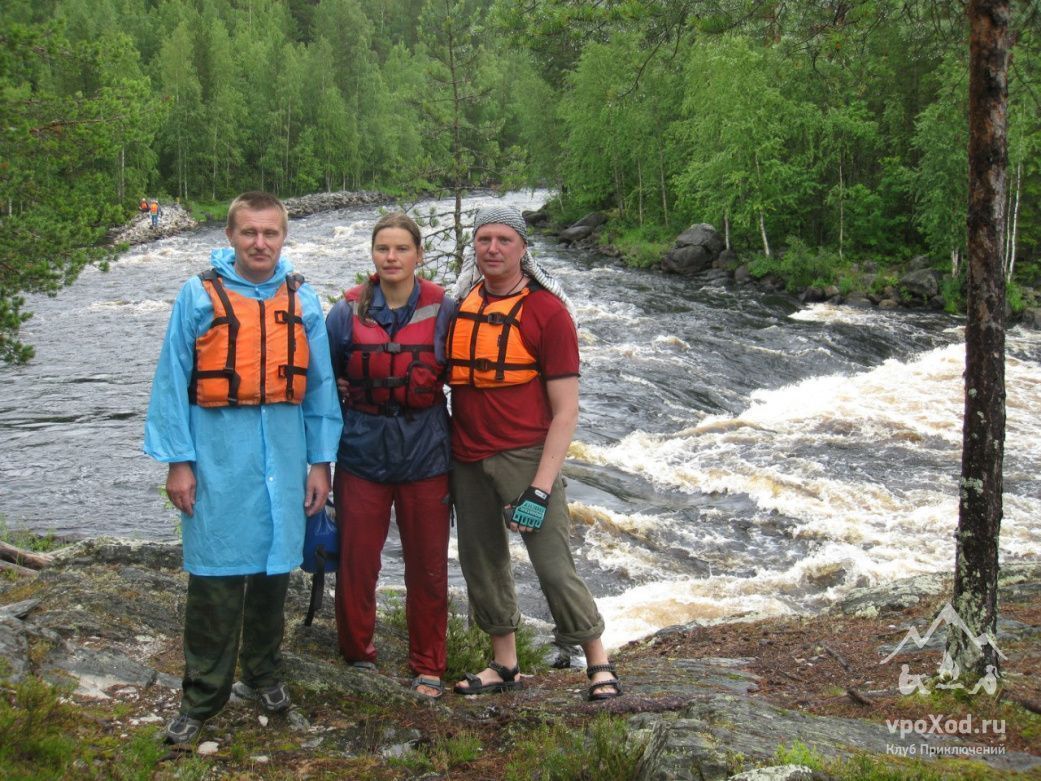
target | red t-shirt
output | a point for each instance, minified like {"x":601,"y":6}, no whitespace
{"x":487,"y":421}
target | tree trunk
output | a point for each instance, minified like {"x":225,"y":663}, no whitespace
{"x":762,"y":214}
{"x":1011,"y":265}
{"x":24,"y":558}
{"x":639,"y":191}
{"x":726,"y":230}
{"x":842,"y":208}
{"x":762,"y":232}
{"x":661,"y":180}
{"x":457,"y":154}
{"x":122,"y":173}
{"x":983,"y":435}
{"x":6,"y":566}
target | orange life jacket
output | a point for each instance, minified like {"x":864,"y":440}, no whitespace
{"x":143,"y":206}
{"x":388,"y":377}
{"x":154,"y":208}
{"x":255,"y":352}
{"x":485,"y":348}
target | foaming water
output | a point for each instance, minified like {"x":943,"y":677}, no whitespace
{"x":737,"y":455}
{"x":864,"y":466}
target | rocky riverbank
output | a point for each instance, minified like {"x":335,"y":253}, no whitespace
{"x":103,"y":621}
{"x":175,"y":219}
{"x":700,"y":252}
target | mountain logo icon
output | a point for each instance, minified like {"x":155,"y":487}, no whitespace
{"x":948,"y":616}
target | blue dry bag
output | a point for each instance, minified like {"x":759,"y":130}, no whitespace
{"x":321,"y":554}
{"x":321,"y":543}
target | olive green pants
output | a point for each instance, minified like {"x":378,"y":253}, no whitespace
{"x":221,"y":613}
{"x":480,"y":490}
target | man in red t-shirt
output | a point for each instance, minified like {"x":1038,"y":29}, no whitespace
{"x":513,"y":368}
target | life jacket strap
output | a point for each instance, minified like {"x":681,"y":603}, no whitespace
{"x":290,"y":319}
{"x":228,"y":372}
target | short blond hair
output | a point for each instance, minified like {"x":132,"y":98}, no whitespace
{"x":257,"y":200}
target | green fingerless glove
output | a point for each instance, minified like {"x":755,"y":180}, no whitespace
{"x":529,"y":509}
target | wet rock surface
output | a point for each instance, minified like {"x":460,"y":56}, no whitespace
{"x":105,"y":620}
{"x":175,"y":219}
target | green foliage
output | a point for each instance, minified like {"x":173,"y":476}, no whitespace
{"x":469,"y":649}
{"x":27,"y":540}
{"x":642,"y":247}
{"x":941,"y":139}
{"x":70,"y":112}
{"x":1014,"y":296}
{"x":614,"y":147}
{"x":798,"y":753}
{"x":35,"y":739}
{"x":800,"y":266}
{"x":847,"y":130}
{"x":441,"y":756}
{"x":953,"y":291}
{"x":209,"y":211}
{"x":559,"y":752}
{"x":744,"y":140}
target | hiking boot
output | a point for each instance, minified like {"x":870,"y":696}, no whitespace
{"x":183,"y":729}
{"x":273,"y":699}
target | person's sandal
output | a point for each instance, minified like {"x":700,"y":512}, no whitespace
{"x":432,"y":683}
{"x":510,"y":680}
{"x":594,"y":693}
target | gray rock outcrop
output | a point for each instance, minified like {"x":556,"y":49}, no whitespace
{"x":173,"y":219}
{"x":921,"y":283}
{"x":583,"y":228}
{"x":694,"y":250}
{"x":323,"y":202}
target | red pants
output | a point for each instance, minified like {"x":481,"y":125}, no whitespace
{"x":363,"y":515}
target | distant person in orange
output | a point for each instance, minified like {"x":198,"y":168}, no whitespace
{"x":155,"y":212}
{"x":143,"y":206}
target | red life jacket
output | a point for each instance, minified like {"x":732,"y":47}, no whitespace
{"x":390,"y":377}
{"x":255,"y":352}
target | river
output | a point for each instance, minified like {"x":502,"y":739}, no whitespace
{"x":738,"y":454}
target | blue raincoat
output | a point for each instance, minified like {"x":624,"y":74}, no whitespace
{"x":251,"y":461}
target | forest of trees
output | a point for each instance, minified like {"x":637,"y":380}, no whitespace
{"x":839,"y":127}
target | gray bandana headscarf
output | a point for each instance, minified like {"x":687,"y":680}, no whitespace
{"x":470,"y":275}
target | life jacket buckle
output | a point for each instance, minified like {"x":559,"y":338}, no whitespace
{"x":497,"y":318}
{"x":394,"y":348}
{"x":281,"y":316}
{"x":483,"y":365}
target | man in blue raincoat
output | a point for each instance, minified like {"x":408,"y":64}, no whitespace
{"x":242,"y":402}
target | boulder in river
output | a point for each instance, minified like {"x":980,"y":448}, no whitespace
{"x":921,"y":283}
{"x":583,"y":228}
{"x":537,"y":218}
{"x":694,"y":250}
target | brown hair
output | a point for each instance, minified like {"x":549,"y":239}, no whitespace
{"x":257,"y":200}
{"x":388,"y":220}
